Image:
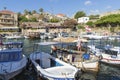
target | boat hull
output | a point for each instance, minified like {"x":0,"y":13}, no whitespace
{"x":14,"y":71}
{"x":59,"y":72}
{"x":11,"y":75}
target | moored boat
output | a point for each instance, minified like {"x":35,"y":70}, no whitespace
{"x":50,"y":67}
{"x":12,"y":59}
{"x":110,"y":55}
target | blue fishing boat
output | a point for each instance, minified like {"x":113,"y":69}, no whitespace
{"x":12,"y":59}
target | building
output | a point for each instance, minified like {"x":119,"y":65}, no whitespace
{"x":83,"y":20}
{"x":61,"y":16}
{"x":8,"y":21}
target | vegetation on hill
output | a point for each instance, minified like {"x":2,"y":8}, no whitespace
{"x":79,"y":14}
{"x":109,"y":21}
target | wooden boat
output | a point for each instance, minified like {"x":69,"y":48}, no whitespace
{"x":80,"y":59}
{"x":12,"y":59}
{"x":74,"y":57}
{"x":50,"y":67}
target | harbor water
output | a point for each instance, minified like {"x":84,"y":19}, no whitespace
{"x":106,"y":71}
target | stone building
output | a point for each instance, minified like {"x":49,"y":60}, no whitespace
{"x":8,"y":21}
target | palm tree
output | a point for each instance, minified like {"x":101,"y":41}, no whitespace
{"x":34,"y":12}
{"x":41,"y":10}
{"x":26,"y":11}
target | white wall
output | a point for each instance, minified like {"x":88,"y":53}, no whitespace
{"x":83,"y":19}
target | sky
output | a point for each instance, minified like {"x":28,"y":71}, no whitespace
{"x":67,"y":7}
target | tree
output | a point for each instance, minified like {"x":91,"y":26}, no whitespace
{"x":19,"y":14}
{"x":90,"y":23}
{"x":41,"y":10}
{"x":79,"y":14}
{"x":70,"y":23}
{"x":109,"y":21}
{"x":26,"y":12}
{"x":54,"y":20}
{"x":33,"y":19}
{"x":34,"y":12}
{"x":94,"y":17}
{"x":22,"y":19}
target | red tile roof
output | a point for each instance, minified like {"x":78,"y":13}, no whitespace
{"x":6,"y":12}
{"x":60,"y":14}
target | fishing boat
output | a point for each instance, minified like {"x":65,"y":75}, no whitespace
{"x":107,"y":54}
{"x":49,"y":66}
{"x":12,"y":59}
{"x":70,"y":54}
{"x":84,"y":60}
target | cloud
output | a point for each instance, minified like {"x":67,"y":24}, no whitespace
{"x":87,"y":3}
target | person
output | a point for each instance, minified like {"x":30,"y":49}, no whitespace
{"x":54,"y":50}
{"x":79,"y":45}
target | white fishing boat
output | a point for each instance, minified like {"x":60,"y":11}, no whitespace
{"x":110,"y":56}
{"x":43,"y":36}
{"x":50,"y":67}
{"x":12,"y":59}
{"x":14,"y":36}
{"x":91,"y":35}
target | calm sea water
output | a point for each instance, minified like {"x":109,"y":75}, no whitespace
{"x":106,"y":72}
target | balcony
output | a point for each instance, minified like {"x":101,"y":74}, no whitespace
{"x":7,"y":18}
{"x":10,"y":23}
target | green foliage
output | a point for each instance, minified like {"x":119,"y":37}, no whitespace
{"x":80,"y":26}
{"x":110,"y":20}
{"x":94,"y":17}
{"x":33,"y":19}
{"x":90,"y":23}
{"x":41,"y":10}
{"x":54,"y":20}
{"x":22,"y":19}
{"x":79,"y":14}
{"x":34,"y":12}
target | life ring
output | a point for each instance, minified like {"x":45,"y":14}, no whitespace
{"x":100,"y":57}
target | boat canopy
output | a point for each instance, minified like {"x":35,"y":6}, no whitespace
{"x":13,"y":43}
{"x":12,"y":51}
{"x":10,"y":55}
{"x":48,"y":43}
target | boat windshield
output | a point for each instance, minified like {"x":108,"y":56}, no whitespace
{"x":12,"y":51}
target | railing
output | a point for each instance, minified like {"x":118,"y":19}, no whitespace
{"x":6,"y":22}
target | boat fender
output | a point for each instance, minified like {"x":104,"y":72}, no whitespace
{"x":78,"y":75}
{"x":100,"y":57}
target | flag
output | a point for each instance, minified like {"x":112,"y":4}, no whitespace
{"x":88,"y":29}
